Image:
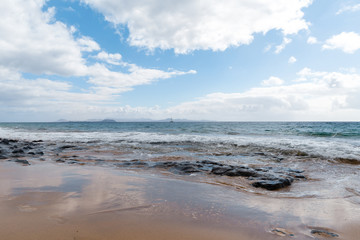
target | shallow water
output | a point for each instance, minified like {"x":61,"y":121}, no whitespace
{"x":328,"y":153}
{"x":80,"y":166}
{"x":317,"y":139}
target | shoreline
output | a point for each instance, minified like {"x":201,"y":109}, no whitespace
{"x":85,"y":191}
{"x":45,"y":200}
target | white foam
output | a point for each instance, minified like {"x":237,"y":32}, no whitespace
{"x":326,"y":147}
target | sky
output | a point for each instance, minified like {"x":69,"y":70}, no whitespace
{"x":234,"y":60}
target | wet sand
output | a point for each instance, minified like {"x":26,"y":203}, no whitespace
{"x":49,"y":201}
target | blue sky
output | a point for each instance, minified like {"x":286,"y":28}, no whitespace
{"x":248,"y":60}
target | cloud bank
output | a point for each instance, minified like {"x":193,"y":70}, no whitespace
{"x":190,"y":25}
{"x":313,"y":95}
{"x":34,"y":42}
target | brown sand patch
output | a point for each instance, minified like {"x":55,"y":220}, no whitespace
{"x":48,"y":201}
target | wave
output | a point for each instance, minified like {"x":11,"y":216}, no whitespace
{"x":331,"y":134}
{"x":336,"y":149}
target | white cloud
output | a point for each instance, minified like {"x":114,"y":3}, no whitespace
{"x":352,"y":8}
{"x":201,"y":24}
{"x":17,"y":92}
{"x":111,"y":58}
{"x":292,"y":60}
{"x":44,"y":99}
{"x":279,"y":48}
{"x":87,"y":44}
{"x":117,"y":82}
{"x":32,"y":41}
{"x":312,"y":40}
{"x":319,"y":96}
{"x":272,"y":81}
{"x":349,"y":42}
{"x":313,"y":95}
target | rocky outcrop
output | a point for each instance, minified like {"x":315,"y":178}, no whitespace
{"x":270,"y":178}
{"x":12,"y":149}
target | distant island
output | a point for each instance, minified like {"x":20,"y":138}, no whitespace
{"x":108,"y":120}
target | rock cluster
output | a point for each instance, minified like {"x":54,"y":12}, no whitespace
{"x":270,"y":178}
{"x":13,"y":149}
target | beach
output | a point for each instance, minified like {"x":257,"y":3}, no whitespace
{"x":88,"y":186}
{"x":48,"y":201}
{"x":179,"y":120}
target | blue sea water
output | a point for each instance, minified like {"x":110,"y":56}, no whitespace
{"x":327,"y":152}
{"x":325,"y":140}
{"x":314,"y":129}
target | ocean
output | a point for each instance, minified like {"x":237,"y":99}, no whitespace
{"x":323,"y":140}
{"x":328,"y":152}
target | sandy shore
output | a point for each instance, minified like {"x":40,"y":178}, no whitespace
{"x":49,"y":201}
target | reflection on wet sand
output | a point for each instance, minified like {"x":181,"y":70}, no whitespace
{"x":48,"y":201}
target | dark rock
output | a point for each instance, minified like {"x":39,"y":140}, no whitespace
{"x":39,"y":153}
{"x":3,"y":156}
{"x":243,"y":172}
{"x":260,"y":153}
{"x":261,"y":169}
{"x":164,"y":165}
{"x":66,"y":147}
{"x":31,"y":153}
{"x":60,"y":161}
{"x":297,"y":175}
{"x":186,"y":168}
{"x":124,"y":164}
{"x":278,"y":159}
{"x":323,"y":233}
{"x":73,"y":162}
{"x":209,"y":162}
{"x":272,"y":176}
{"x":206,"y":165}
{"x":272,"y":184}
{"x":8,"y":141}
{"x":18,"y":151}
{"x":220,"y":170}
{"x":24,"y":162}
{"x":135,"y":163}
{"x":5,"y":141}
{"x":138,"y":163}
